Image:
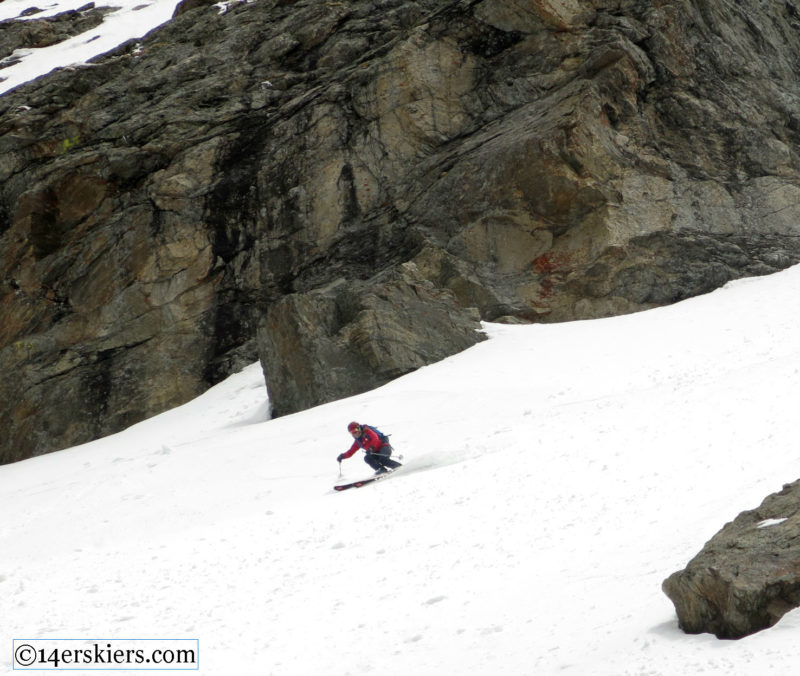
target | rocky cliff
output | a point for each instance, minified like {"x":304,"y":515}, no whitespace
{"x":356,"y":182}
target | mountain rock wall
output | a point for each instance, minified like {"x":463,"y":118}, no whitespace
{"x":171,"y":211}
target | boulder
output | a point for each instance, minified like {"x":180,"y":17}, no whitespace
{"x":351,"y":337}
{"x":747,"y":576}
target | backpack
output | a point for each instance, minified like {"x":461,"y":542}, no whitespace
{"x":383,"y":437}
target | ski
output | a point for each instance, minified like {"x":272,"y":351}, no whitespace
{"x":362,"y":482}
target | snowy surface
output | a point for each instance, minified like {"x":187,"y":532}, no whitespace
{"x":131,"y":19}
{"x":554,"y":476}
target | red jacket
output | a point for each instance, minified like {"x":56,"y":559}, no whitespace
{"x":368,"y":440}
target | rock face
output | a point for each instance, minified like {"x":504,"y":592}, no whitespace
{"x":543,"y":160}
{"x":747,"y":576}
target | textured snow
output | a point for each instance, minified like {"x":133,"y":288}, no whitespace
{"x":554,"y":476}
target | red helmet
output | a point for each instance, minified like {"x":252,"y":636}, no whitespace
{"x":353,"y":426}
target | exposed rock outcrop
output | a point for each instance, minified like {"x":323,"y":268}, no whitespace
{"x":747,"y":576}
{"x":544,"y":160}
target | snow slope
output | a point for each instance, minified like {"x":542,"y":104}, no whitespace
{"x":554,"y":476}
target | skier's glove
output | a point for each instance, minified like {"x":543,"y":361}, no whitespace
{"x":340,"y":458}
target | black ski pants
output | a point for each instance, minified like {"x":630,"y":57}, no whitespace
{"x":381,"y":459}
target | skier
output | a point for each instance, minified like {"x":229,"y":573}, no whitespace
{"x":377,"y":450}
